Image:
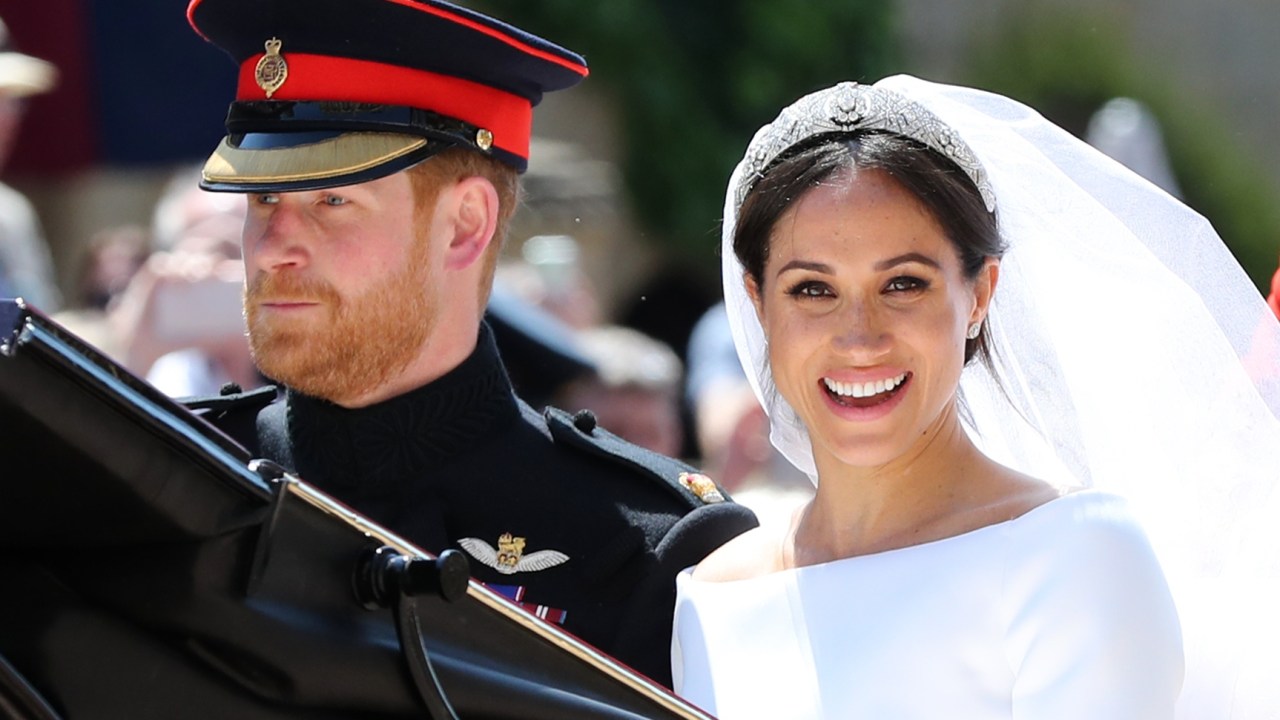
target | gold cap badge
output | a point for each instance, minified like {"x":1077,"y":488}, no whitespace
{"x":272,"y":70}
{"x":484,"y":139}
{"x":702,"y":486}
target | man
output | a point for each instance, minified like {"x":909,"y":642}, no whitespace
{"x":379,"y":143}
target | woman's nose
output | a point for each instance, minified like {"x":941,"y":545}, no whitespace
{"x":860,"y":330}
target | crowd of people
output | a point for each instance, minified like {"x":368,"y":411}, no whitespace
{"x":970,"y":436}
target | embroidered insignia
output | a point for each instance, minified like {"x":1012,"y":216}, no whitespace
{"x":272,"y":70}
{"x":509,"y":557}
{"x":702,"y":486}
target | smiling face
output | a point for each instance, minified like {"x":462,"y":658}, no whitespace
{"x":865,"y":304}
{"x":339,"y":286}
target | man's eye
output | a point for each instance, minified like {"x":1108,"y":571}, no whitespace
{"x":334,"y":200}
{"x":267,"y":199}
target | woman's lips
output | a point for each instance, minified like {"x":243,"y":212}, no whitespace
{"x":866,"y":398}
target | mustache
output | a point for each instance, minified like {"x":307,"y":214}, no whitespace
{"x":288,"y":287}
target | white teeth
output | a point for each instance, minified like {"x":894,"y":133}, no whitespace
{"x":861,"y":390}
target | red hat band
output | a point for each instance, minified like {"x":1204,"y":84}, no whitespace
{"x":335,"y":79}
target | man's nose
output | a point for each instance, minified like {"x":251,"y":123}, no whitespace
{"x":277,"y":241}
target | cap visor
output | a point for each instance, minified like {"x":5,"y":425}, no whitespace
{"x":287,"y":162}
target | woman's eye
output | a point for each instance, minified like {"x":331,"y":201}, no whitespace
{"x":906,"y":284}
{"x":809,"y":289}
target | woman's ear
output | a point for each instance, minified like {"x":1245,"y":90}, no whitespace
{"x":984,"y":289}
{"x":475,"y":218}
{"x":753,"y":291}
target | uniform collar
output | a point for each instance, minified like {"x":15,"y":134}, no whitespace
{"x":395,"y":440}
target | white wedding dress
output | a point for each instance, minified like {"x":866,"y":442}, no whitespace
{"x":1060,"y":613}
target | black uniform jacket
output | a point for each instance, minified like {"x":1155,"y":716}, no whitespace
{"x":582,"y":528}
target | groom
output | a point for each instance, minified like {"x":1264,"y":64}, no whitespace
{"x":379,"y":143}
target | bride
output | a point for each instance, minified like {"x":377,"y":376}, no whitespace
{"x":1030,"y":541}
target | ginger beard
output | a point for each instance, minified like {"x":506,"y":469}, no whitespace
{"x":363,"y":342}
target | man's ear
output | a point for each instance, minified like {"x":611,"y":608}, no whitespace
{"x":475,"y":219}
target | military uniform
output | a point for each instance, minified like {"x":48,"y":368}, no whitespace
{"x":581,"y":528}
{"x":584,"y":530}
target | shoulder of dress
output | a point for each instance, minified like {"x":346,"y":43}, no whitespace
{"x":580,"y":431}
{"x":1086,"y":534}
{"x":232,"y":398}
{"x":1079,"y":514}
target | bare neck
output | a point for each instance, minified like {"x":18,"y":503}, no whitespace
{"x":909,"y":500}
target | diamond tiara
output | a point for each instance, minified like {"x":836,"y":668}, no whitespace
{"x":850,"y":106}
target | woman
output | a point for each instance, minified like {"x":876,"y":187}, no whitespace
{"x":968,"y":553}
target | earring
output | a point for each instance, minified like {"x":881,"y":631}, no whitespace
{"x":974,"y":329}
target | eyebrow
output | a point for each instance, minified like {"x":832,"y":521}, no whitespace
{"x":907,"y":258}
{"x":880,"y":266}
{"x":804,"y":265}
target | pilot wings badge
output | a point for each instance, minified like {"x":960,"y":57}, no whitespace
{"x":509,"y":557}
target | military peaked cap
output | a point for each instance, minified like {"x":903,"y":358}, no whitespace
{"x":336,"y":92}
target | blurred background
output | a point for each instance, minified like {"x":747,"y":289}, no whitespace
{"x":621,"y":219}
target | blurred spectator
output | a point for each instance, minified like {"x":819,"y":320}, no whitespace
{"x":538,"y":304}
{"x":26,"y":269}
{"x":1127,"y":131}
{"x":635,"y":392}
{"x":732,"y":428}
{"x":183,"y":210}
{"x":108,"y":263}
{"x":539,"y":351}
{"x":666,"y":306}
{"x":110,"y":260}
{"x":180,"y":320}
{"x":549,"y":275}
{"x":1274,"y":298}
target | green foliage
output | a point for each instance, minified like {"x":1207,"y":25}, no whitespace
{"x":694,"y":80}
{"x":1068,"y":65}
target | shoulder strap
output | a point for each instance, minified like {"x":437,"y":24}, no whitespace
{"x":582,"y":432}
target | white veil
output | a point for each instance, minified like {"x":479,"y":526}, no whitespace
{"x":1132,"y":354}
